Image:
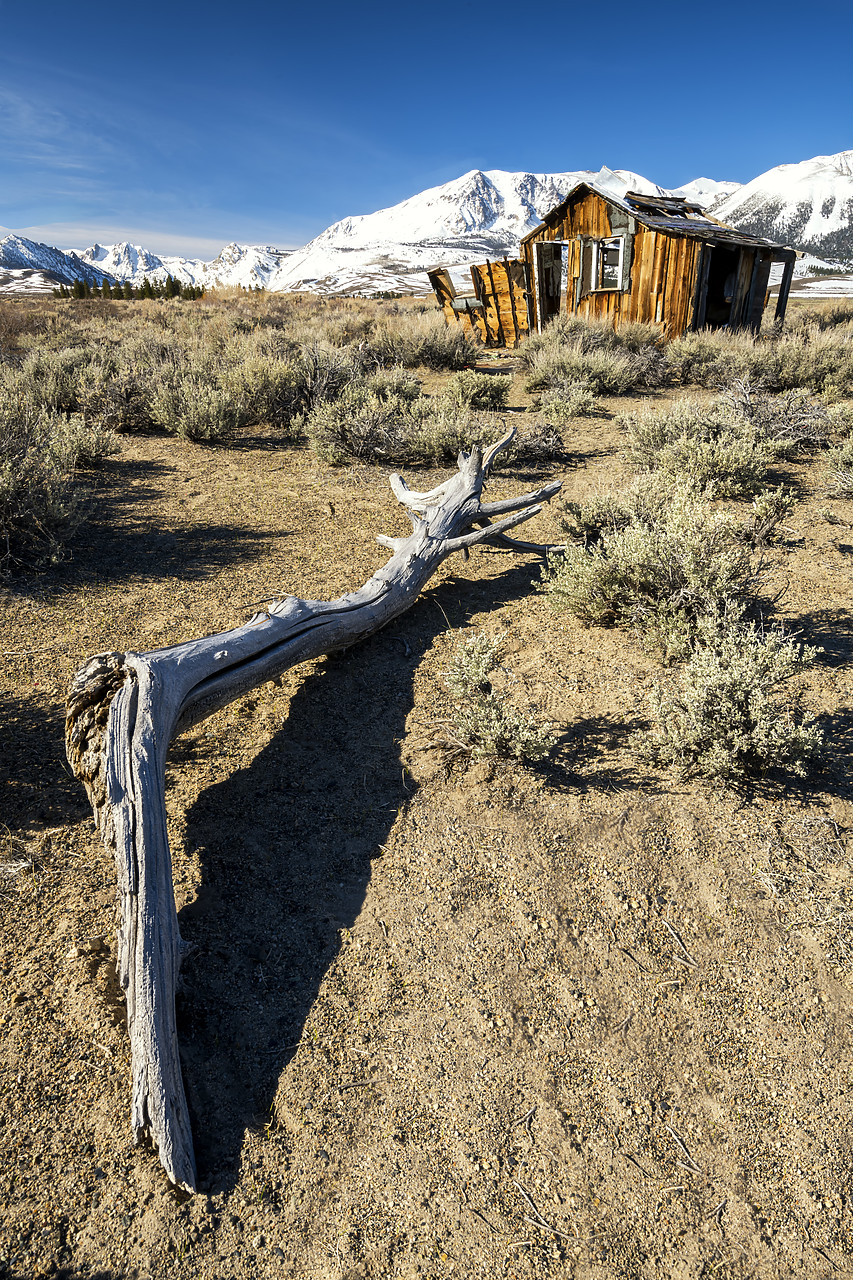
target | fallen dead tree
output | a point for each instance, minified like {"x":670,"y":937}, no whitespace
{"x":124,"y":709}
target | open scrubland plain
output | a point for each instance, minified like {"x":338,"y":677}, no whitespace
{"x":450,"y":1011}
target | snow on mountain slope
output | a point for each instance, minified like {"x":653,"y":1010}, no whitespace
{"x":249,"y":266}
{"x":18,"y":254}
{"x":477,"y":216}
{"x":707,"y":191}
{"x":808,"y":205}
{"x":26,"y":280}
{"x":480,"y":215}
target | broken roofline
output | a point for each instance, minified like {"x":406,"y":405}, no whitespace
{"x":701,"y":227}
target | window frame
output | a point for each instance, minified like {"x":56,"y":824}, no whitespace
{"x":595,"y":272}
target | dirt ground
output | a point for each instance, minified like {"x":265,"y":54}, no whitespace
{"x":586,"y":1019}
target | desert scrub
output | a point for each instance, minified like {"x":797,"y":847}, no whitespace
{"x":483,"y":724}
{"x":427,"y":340}
{"x":838,"y":470}
{"x":724,"y":715}
{"x":809,"y":357}
{"x":605,"y":372}
{"x":471,"y":390}
{"x":565,"y":401}
{"x":190,"y":404}
{"x":439,"y":433}
{"x":769,"y":509}
{"x":264,"y":389}
{"x":718,"y":357}
{"x":795,"y":422}
{"x":659,"y":563}
{"x":40,"y":490}
{"x":585,"y":522}
{"x":371,"y":419}
{"x":323,"y":372}
{"x":606,"y":360}
{"x":712,"y":446}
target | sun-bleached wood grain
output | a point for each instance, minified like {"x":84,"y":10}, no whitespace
{"x":124,"y":709}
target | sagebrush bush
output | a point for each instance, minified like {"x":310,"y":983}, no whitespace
{"x":605,"y":372}
{"x":40,"y":490}
{"x":769,"y":509}
{"x":720,"y":717}
{"x":586,"y":521}
{"x":593,"y":354}
{"x":484,"y":724}
{"x":471,"y":390}
{"x":808,"y":357}
{"x":711,"y":446}
{"x":568,"y":400}
{"x":426,"y":340}
{"x":371,"y":419}
{"x":263,"y":389}
{"x":795,"y":422}
{"x":838,"y":469}
{"x":660,"y":563}
{"x":193,"y":406}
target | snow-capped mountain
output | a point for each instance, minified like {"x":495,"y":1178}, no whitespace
{"x":808,"y":205}
{"x":707,"y":191}
{"x":18,"y":254}
{"x":477,"y":216}
{"x":480,"y":215}
{"x":249,"y":266}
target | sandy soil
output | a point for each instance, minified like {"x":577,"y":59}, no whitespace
{"x":582,"y":1020}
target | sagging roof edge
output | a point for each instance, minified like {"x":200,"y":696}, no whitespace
{"x":709,"y":229}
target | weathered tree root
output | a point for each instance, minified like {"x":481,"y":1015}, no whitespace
{"x":124,"y":709}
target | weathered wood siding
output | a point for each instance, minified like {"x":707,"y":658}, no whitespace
{"x":503,"y":288}
{"x":472,"y":322}
{"x":662,"y":279}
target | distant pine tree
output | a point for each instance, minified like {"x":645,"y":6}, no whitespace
{"x":127,"y":291}
{"x":106,"y":288}
{"x":78,"y":289}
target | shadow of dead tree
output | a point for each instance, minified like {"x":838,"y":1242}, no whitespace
{"x":286,"y":848}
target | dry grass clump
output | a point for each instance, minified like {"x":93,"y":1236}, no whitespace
{"x":725,"y":716}
{"x":483,"y":723}
{"x":659,"y":562}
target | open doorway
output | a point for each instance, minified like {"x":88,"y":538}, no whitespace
{"x":722,"y":283}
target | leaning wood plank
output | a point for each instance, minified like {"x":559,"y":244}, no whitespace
{"x":124,"y":709}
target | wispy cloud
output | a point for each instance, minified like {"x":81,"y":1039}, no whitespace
{"x":36,"y":131}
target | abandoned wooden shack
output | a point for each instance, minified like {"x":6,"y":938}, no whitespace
{"x":658,"y":259}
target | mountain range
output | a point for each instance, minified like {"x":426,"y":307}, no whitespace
{"x":477,"y":216}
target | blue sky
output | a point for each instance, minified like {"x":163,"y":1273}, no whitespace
{"x":182,"y":126}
